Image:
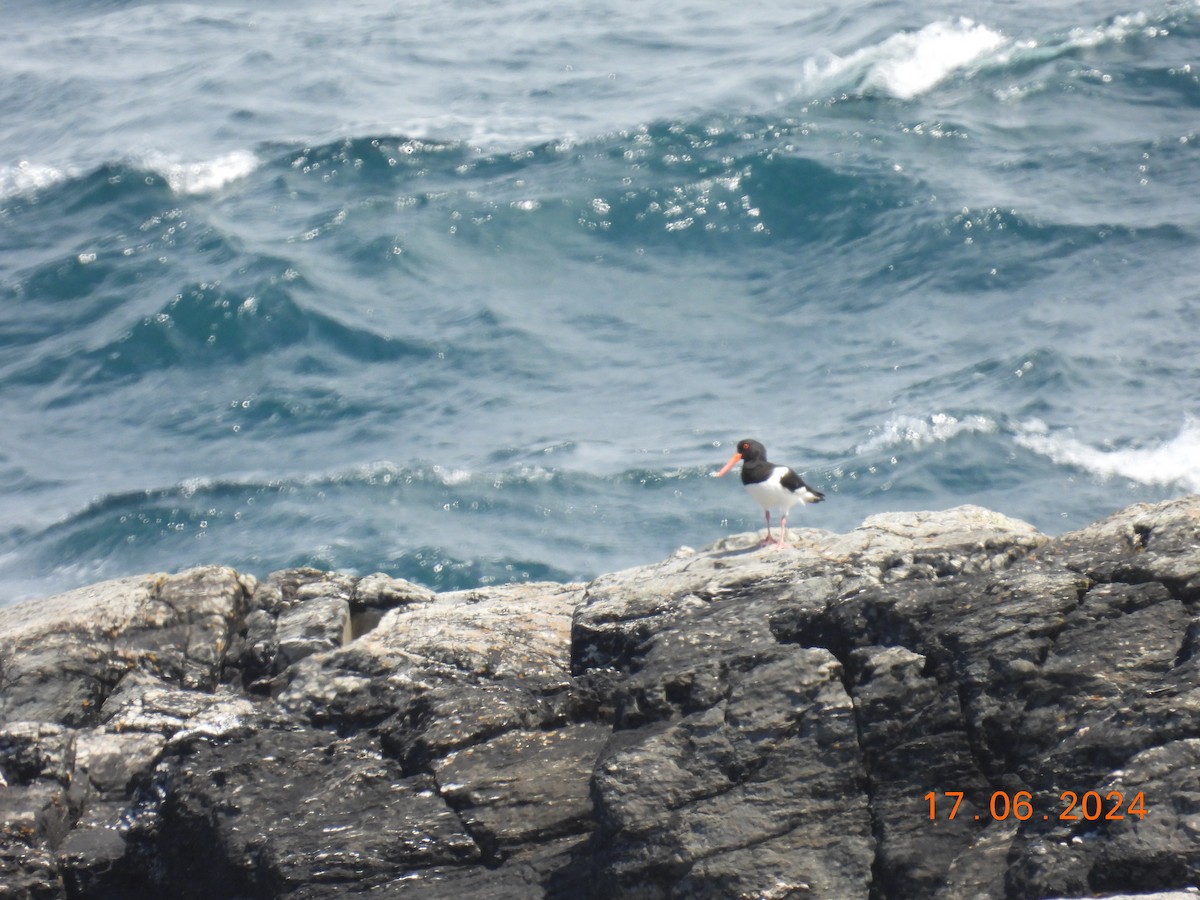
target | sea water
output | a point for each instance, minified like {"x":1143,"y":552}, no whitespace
{"x":485,"y":291}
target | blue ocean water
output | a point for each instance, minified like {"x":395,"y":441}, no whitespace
{"x":485,"y":291}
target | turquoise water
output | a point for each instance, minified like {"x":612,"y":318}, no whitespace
{"x":481,"y":292}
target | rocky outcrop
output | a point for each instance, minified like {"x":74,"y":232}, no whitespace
{"x":933,"y":705}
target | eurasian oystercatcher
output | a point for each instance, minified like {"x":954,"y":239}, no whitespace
{"x":774,"y":487}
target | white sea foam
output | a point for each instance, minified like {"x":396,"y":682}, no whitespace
{"x":1118,"y":29}
{"x":26,"y":176}
{"x":206,"y":175}
{"x":1172,"y":461}
{"x":1115,"y":31}
{"x":909,"y":63}
{"x":920,"y":432}
{"x":451,"y":477}
{"x":184,"y":177}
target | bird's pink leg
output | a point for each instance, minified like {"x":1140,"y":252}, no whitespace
{"x":783,"y":530}
{"x":769,"y":539}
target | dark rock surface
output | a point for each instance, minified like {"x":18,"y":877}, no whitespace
{"x":728,"y":723}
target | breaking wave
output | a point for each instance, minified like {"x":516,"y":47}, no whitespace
{"x":908,"y":63}
{"x":1173,"y":461}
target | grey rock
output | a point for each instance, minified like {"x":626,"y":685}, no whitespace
{"x":523,"y":787}
{"x":732,"y":722}
{"x":1104,"y":853}
{"x":440,"y":677}
{"x":64,"y":654}
{"x":381,"y":591}
{"x":296,"y":809}
{"x":329,"y":584}
{"x":29,"y":873}
{"x":910,"y":722}
{"x":624,"y":608}
{"x":258,"y":647}
{"x":310,"y":627}
{"x":114,"y":762}
{"x":732,"y":799}
{"x":30,"y":750}
{"x":375,"y":594}
{"x":93,"y":858}
{"x":37,"y":812}
{"x":1144,"y":543}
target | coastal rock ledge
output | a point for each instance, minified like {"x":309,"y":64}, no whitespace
{"x":937,"y":704}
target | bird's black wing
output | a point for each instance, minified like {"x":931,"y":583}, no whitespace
{"x":794,"y":482}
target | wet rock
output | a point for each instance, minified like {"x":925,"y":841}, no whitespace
{"x":30,"y":750}
{"x":93,"y":860}
{"x":297,"y":809}
{"x":1141,"y":826}
{"x":523,"y":787}
{"x":911,"y":722}
{"x":29,"y":873}
{"x":734,"y":799}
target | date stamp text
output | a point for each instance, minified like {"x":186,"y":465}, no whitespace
{"x":1091,"y":806}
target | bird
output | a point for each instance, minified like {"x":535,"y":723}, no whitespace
{"x":773,"y":486}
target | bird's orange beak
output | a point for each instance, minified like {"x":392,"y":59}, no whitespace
{"x":729,"y":465}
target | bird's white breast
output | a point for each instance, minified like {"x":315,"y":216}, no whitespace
{"x":770,"y":494}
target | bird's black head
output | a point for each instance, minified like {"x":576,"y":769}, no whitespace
{"x":751,"y":450}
